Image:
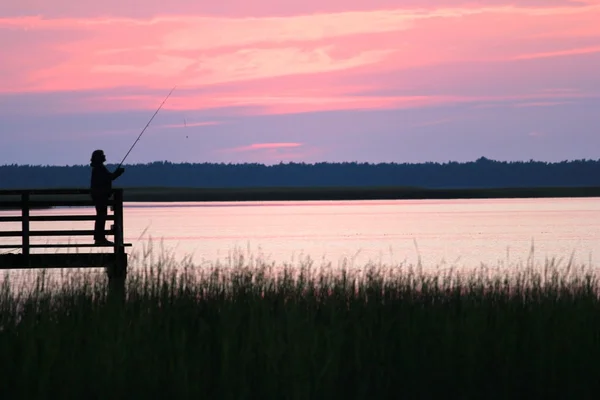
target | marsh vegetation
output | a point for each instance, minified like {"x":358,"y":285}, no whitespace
{"x":244,"y":328}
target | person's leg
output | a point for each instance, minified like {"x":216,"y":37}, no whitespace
{"x":101,"y":213}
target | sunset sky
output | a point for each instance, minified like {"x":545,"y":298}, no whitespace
{"x":269,"y":81}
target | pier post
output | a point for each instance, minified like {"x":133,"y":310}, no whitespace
{"x":25,"y":241}
{"x":117,"y":270}
{"x":117,"y":275}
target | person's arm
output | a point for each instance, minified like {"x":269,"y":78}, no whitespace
{"x":118,"y":172}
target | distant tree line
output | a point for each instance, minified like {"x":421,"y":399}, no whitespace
{"x":482,"y":173}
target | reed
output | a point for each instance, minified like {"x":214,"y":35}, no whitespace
{"x":245,"y":328}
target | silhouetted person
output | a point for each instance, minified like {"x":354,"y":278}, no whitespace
{"x":101,"y":186}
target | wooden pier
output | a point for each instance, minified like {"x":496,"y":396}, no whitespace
{"x":19,"y":204}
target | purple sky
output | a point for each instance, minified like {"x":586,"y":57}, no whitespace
{"x":270,"y":81}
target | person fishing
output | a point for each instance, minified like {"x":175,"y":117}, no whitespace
{"x":101,"y":183}
{"x":100,"y":188}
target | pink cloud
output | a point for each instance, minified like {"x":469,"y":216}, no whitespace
{"x":152,"y":127}
{"x":238,"y":8}
{"x":281,"y":61}
{"x":264,"y":146}
{"x":560,"y":53}
{"x":271,"y":153}
{"x":187,"y":124}
{"x":271,"y":102}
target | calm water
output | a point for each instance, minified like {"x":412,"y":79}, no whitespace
{"x":462,"y":233}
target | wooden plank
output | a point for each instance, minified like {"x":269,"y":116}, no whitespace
{"x":52,"y":233}
{"x":78,"y":260}
{"x":49,"y":192}
{"x":59,"y":245}
{"x":18,"y":218}
{"x":16,"y":205}
{"x":63,"y":191}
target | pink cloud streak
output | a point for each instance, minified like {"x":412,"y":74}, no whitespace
{"x":270,"y":153}
{"x":264,"y":146}
{"x":310,"y":101}
{"x":560,"y":53}
{"x":318,"y":54}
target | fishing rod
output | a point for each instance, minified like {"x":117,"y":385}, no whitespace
{"x":148,"y":124}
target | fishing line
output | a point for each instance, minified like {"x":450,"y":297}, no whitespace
{"x":148,"y":124}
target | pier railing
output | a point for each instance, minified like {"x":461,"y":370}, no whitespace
{"x":16,"y":206}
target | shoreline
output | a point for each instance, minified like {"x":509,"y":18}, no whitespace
{"x":190,"y":194}
{"x":346,"y":193}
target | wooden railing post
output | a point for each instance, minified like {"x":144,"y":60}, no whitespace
{"x":117,"y":272}
{"x":118,"y":222}
{"x":25,"y":226}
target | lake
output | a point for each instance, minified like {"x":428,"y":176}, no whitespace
{"x":441,"y":233}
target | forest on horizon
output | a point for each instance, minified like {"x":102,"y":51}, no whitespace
{"x":481,"y":173}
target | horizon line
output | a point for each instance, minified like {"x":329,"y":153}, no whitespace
{"x":480,"y":159}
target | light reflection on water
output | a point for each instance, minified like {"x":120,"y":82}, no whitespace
{"x":460,"y":233}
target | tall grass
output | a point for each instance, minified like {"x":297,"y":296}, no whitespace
{"x":245,"y":329}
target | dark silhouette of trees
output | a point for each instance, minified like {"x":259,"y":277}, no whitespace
{"x":481,"y":173}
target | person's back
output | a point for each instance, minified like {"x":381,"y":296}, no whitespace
{"x":100,"y":190}
{"x":101,"y":181}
